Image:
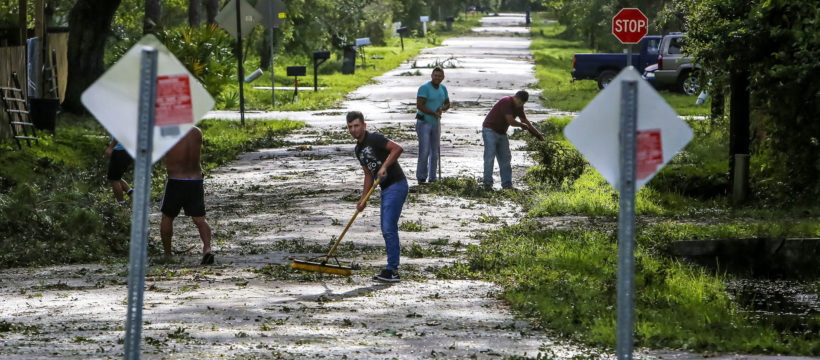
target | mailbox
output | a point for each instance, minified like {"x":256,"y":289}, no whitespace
{"x":450,"y":20}
{"x":403,"y":31}
{"x":318,"y":58}
{"x":359,"y":43}
{"x":321,"y":55}
{"x":363,"y":41}
{"x":297,"y":70}
{"x":349,"y":59}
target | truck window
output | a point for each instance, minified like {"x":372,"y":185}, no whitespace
{"x":652,"y":46}
{"x":675,"y":45}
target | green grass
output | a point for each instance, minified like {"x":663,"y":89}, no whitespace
{"x":566,"y":280}
{"x":225,"y":140}
{"x":56,"y":206}
{"x":553,"y":59}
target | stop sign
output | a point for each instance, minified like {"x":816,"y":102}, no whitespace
{"x":630,"y":25}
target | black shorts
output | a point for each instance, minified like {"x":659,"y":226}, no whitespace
{"x":183,"y":194}
{"x":120,"y":161}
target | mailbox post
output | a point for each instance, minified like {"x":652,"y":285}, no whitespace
{"x":424,"y":20}
{"x":296,"y":72}
{"x":402,"y":31}
{"x":359,"y":45}
{"x":318,"y":58}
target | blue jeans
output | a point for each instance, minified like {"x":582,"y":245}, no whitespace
{"x":428,"y":150}
{"x":392,"y":201}
{"x":497,"y":146}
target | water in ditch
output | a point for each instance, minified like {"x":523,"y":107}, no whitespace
{"x":783,"y":304}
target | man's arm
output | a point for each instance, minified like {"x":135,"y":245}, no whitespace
{"x":368,"y":183}
{"x":521,"y":115}
{"x":529,"y":127}
{"x":421,"y":104}
{"x":512,"y":122}
{"x":395,"y":152}
{"x":446,"y":105}
{"x":110,"y":149}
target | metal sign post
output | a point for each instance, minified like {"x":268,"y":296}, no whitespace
{"x":148,"y":101}
{"x":272,"y":69}
{"x":626,"y":219}
{"x":240,"y":69}
{"x":629,"y":56}
{"x":273,"y":14}
{"x":424,"y":20}
{"x":628,"y":147}
{"x":629,"y":25}
{"x":272,"y":62}
{"x":243,"y":12}
{"x":142,"y":189}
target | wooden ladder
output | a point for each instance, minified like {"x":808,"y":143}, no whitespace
{"x":50,"y":74}
{"x":15,"y":105}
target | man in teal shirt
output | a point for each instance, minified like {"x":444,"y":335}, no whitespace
{"x":431,"y":101}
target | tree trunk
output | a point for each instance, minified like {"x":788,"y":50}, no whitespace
{"x":211,"y":9}
{"x":90,"y":23}
{"x":153,"y":11}
{"x":717,"y":104}
{"x":739,"y":136}
{"x":194,"y":13}
{"x":21,"y":19}
{"x":264,"y":50}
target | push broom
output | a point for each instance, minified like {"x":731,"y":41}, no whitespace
{"x":320,"y":264}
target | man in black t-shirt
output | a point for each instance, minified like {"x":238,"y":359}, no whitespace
{"x":379,"y":158}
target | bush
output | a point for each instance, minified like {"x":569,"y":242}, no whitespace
{"x":556,"y":164}
{"x":206,"y":52}
{"x":75,"y":222}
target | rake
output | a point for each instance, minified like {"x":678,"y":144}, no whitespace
{"x":320,"y":264}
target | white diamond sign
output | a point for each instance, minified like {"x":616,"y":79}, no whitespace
{"x":181,"y":100}
{"x":660,"y":132}
{"x":248,"y":15}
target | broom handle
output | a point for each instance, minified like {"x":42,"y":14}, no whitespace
{"x":439,"y":150}
{"x":351,"y":220}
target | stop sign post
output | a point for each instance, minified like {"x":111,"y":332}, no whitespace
{"x":629,"y":26}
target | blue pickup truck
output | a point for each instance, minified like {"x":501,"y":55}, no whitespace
{"x":604,"y":67}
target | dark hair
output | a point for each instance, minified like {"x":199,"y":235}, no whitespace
{"x":522,"y":95}
{"x":438,"y":69}
{"x":353,"y":115}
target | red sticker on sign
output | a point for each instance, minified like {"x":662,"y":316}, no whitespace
{"x":650,"y":152}
{"x":173,"y":100}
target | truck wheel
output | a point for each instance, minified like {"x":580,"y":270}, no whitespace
{"x":605,"y":77}
{"x":689,"y":84}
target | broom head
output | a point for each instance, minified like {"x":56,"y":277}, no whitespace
{"x":322,"y":268}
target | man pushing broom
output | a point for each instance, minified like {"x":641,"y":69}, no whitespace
{"x":379,"y":159}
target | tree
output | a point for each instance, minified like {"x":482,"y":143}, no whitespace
{"x":211,"y":9}
{"x":776,"y":44}
{"x":194,"y":13}
{"x":591,"y":20}
{"x":90,"y":23}
{"x":153,"y":13}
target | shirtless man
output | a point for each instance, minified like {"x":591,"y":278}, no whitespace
{"x":184,"y":190}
